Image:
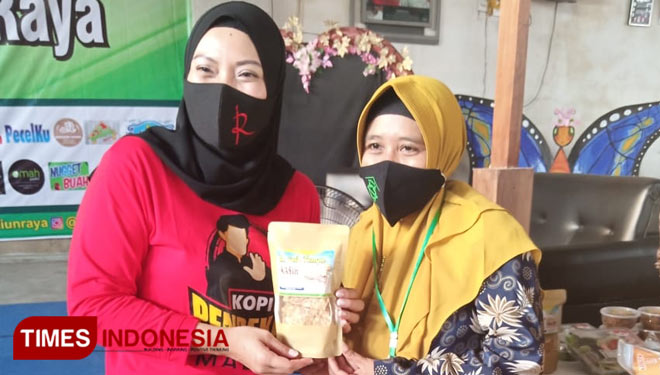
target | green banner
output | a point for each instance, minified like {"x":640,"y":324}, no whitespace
{"x":37,"y":221}
{"x":106,"y":49}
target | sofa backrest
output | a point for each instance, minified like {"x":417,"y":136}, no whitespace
{"x":572,"y":209}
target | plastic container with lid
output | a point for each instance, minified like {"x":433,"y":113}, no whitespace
{"x":650,"y":317}
{"x":619,"y":317}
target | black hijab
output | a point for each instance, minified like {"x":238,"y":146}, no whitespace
{"x":250,"y":180}
{"x":388,"y":104}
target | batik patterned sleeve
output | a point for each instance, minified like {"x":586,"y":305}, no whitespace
{"x":500,"y":332}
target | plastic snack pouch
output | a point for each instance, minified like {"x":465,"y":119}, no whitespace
{"x":638,"y":360}
{"x":307,"y":265}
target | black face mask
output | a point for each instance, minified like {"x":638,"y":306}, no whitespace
{"x":399,"y":190}
{"x":224,"y":117}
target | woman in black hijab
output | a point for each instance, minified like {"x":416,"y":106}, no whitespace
{"x":225,"y":143}
{"x":171,"y":233}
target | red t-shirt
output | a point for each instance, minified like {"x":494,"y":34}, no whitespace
{"x":148,"y":254}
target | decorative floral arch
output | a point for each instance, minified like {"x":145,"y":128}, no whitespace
{"x":376,"y":52}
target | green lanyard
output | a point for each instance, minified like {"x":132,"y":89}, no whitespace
{"x":394,"y":329}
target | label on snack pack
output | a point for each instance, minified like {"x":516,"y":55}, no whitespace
{"x":552,"y":319}
{"x":305,"y":273}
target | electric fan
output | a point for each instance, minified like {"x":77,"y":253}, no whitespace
{"x":338,"y":207}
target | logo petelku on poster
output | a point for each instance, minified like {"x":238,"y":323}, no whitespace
{"x":68,"y":175}
{"x":101,"y":132}
{"x":34,"y":134}
{"x":68,"y":132}
{"x":26,"y":176}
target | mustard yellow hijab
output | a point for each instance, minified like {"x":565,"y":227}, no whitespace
{"x":473,"y":238}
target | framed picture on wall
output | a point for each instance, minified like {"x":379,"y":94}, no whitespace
{"x":413,"y":21}
{"x":397,"y":12}
{"x":641,"y":12}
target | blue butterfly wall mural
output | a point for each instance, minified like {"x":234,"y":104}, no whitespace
{"x":478,"y":114}
{"x":614,"y":144}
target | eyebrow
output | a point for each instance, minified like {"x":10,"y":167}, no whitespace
{"x":248,"y":62}
{"x":376,"y":136}
{"x":413,"y":140}
{"x":205,"y":58}
{"x":240,"y":63}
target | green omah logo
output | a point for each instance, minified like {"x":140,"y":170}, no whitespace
{"x":372,"y":187}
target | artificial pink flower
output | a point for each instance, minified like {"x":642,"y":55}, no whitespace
{"x":326,"y":63}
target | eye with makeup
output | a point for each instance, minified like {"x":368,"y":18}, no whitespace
{"x":410,"y":149}
{"x":249,"y":75}
{"x":373,"y":146}
{"x":204,"y":69}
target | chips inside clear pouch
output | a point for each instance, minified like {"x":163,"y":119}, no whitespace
{"x":307,"y":264}
{"x":308,"y":311}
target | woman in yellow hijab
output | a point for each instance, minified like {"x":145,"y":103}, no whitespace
{"x":449,"y":278}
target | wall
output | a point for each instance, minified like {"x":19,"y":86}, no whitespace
{"x":596,"y":63}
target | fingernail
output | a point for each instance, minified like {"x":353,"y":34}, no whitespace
{"x":339,"y":293}
{"x":293,"y":353}
{"x":341,"y":302}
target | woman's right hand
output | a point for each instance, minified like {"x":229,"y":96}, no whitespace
{"x":261,"y":352}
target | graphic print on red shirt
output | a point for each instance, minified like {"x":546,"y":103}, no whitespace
{"x":239,"y":283}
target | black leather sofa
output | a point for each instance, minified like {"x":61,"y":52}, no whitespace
{"x":599,"y":236}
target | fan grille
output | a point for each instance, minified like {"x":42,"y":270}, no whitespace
{"x":338,"y":207}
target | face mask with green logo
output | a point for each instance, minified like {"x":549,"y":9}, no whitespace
{"x":399,"y":190}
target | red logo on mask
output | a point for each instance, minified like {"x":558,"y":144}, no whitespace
{"x":239,"y":127}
